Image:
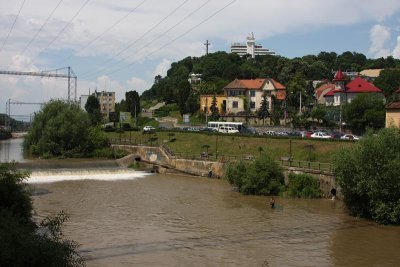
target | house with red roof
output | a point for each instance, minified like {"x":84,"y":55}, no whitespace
{"x":242,"y":95}
{"x":321,"y":91}
{"x":345,"y":93}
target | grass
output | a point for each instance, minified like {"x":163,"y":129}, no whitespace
{"x":236,"y":145}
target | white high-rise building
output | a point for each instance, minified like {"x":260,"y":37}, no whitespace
{"x":250,"y":48}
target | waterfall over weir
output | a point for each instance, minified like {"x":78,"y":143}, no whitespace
{"x":99,"y":174}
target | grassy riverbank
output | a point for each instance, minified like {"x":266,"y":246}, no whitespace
{"x":236,"y":145}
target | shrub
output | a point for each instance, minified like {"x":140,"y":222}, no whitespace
{"x":303,"y":186}
{"x":263,"y":176}
{"x":368,"y":175}
{"x":60,"y":128}
{"x":23,"y":242}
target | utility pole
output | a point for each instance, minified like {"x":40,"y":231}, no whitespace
{"x":207,"y":44}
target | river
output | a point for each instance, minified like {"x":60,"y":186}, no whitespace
{"x":129,"y":218}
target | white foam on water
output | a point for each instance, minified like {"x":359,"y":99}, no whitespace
{"x":58,"y":175}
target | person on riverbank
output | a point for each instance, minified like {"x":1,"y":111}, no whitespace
{"x":272,"y":202}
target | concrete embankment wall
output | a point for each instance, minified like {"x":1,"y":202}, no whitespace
{"x":164,"y":163}
{"x":326,"y":180}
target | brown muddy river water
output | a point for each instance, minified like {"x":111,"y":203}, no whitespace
{"x":171,"y":220}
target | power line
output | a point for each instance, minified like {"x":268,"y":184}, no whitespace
{"x":63,"y":29}
{"x":107,"y":30}
{"x":12,"y":26}
{"x":158,"y":37}
{"x":141,"y":37}
{"x":180,"y":36}
{"x":37,"y":33}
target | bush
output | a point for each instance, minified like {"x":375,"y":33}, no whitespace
{"x":368,"y":175}
{"x":22,"y":242}
{"x":62,"y":128}
{"x":303,"y":186}
{"x":260,"y":177}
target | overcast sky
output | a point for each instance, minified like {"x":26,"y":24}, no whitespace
{"x":121,"y":45}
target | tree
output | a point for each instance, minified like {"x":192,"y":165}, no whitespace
{"x":214,"y":109}
{"x":263,"y":112}
{"x":368,"y":175}
{"x":261,"y":177}
{"x":366,"y":110}
{"x":389,"y":81}
{"x":192,"y":103}
{"x":303,"y":186}
{"x":295,"y":88}
{"x":22,"y":241}
{"x":318,"y":113}
{"x":92,"y":107}
{"x":132,"y":103}
{"x":62,"y":128}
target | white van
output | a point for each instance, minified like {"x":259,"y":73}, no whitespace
{"x":227,"y":129}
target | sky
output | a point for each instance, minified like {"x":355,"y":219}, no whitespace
{"x":122,"y":45}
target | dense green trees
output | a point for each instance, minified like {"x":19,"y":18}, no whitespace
{"x":263,"y":176}
{"x":63,"y":129}
{"x":369,"y":177}
{"x":389,"y":82}
{"x":132,"y":103}
{"x":365,"y":111}
{"x":92,"y":107}
{"x":220,"y":68}
{"x":303,"y":186}
{"x":22,"y":241}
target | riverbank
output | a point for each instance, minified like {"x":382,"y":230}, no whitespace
{"x":230,"y":146}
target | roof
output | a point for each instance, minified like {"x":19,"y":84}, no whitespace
{"x":373,"y":73}
{"x":393,"y":105}
{"x":256,"y":84}
{"x":339,"y":76}
{"x":330,"y":93}
{"x":359,"y":85}
{"x":320,"y":90}
{"x":276,"y":84}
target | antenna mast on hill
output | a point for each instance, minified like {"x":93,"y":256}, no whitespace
{"x":207,"y":44}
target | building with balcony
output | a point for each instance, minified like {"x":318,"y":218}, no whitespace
{"x":107,"y":102}
{"x":247,"y":95}
{"x":250,"y":48}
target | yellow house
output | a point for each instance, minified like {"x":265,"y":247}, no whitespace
{"x":393,"y":115}
{"x":206,"y":101}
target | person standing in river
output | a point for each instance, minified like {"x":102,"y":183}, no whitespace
{"x":272,"y":202}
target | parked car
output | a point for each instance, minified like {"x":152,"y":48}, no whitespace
{"x":208,"y":130}
{"x":269,"y":132}
{"x":321,"y":135}
{"x":147,"y":129}
{"x":227,"y":129}
{"x":350,"y":137}
{"x":336,"y":135}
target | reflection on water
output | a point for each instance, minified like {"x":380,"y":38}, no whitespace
{"x":11,"y":150}
{"x":167,"y":220}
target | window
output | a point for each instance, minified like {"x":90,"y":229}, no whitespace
{"x":235,"y":104}
{"x":252,"y":93}
{"x":252,"y":104}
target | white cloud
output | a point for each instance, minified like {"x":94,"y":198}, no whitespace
{"x":379,"y":35}
{"x":145,"y":42}
{"x":138,"y":85}
{"x":162,"y":68}
{"x":396,"y":51}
